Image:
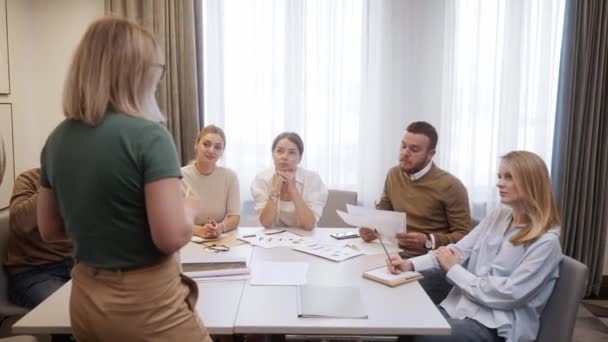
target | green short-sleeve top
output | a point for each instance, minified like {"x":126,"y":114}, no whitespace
{"x":97,"y":174}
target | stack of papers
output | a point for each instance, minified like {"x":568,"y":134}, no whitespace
{"x":316,"y":301}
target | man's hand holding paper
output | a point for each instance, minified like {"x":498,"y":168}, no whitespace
{"x":388,"y":223}
{"x":412,"y":241}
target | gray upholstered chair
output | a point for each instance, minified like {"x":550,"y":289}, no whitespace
{"x":336,"y":199}
{"x":6,"y":307}
{"x":559,"y":316}
{"x":249,"y":217}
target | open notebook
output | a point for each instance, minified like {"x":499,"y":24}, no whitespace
{"x":316,"y":301}
{"x":382,"y":275}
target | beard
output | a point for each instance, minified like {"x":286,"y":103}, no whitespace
{"x":410,"y":170}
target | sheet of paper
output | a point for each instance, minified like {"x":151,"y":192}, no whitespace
{"x":279,"y":273}
{"x":329,"y":251}
{"x":386,"y":214}
{"x":387,"y":224}
{"x":317,"y":301}
{"x":283,"y":239}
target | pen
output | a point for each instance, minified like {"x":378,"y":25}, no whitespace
{"x":388,"y":257}
{"x":277,"y":232}
{"x":248,"y":236}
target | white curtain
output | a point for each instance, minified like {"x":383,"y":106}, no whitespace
{"x":501,"y":63}
{"x":350,"y":75}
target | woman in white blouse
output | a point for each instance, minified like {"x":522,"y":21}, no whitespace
{"x":288,"y":195}
{"x":504,"y":270}
{"x":216,"y":188}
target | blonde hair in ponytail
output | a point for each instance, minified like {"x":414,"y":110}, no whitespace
{"x":531,"y":178}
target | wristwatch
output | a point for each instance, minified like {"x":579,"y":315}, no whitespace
{"x":428,"y":244}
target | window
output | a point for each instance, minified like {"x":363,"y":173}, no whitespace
{"x":349,"y":76}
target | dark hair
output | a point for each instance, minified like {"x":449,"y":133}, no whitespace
{"x":291,"y":136}
{"x":425,"y":128}
{"x":214,"y":130}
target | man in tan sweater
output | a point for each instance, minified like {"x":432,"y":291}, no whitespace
{"x":435,"y":202}
{"x":35,"y":268}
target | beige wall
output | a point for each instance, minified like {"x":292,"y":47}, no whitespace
{"x":42,"y":36}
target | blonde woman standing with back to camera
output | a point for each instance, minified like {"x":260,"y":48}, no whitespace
{"x":110,"y":182}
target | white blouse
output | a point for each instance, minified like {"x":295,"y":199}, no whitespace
{"x":309,"y":186}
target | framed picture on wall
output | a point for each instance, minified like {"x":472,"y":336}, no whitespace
{"x":7,"y":162}
{"x":5,"y":85}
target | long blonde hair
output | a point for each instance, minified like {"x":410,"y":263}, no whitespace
{"x":112,"y":70}
{"x":532,"y":180}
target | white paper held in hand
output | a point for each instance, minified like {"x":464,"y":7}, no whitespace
{"x":388,"y":223}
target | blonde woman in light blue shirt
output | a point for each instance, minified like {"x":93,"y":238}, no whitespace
{"x":505,"y":269}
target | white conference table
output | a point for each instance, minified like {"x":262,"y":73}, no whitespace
{"x":234,"y":306}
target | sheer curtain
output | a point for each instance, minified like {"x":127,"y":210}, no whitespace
{"x":349,"y":76}
{"x":501,"y":65}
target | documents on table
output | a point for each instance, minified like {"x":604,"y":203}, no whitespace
{"x":388,"y":223}
{"x":226,"y":239}
{"x":278,"y":273}
{"x":384,"y":276}
{"x":214,"y":265}
{"x":315,"y":301}
{"x":330,"y":251}
{"x":276,"y":239}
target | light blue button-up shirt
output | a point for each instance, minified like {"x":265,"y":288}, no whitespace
{"x":498,"y":284}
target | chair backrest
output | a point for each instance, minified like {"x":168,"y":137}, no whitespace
{"x":559,"y":315}
{"x":336,"y":199}
{"x":249,"y":217}
{"x":6,"y":307}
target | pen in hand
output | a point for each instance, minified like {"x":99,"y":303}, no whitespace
{"x":388,"y":257}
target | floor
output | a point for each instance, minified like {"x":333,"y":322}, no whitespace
{"x":589,"y":327}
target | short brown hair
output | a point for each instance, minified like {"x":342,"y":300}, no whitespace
{"x":291,"y":136}
{"x":213,"y":129}
{"x":424,"y":128}
{"x":112,"y":70}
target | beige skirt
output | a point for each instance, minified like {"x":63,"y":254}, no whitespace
{"x":155,"y":303}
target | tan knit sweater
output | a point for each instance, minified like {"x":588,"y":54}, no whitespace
{"x":435,"y":204}
{"x":25,"y":245}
